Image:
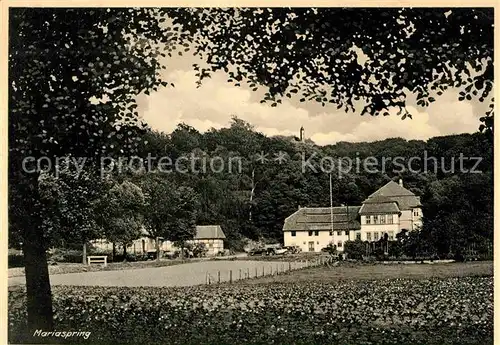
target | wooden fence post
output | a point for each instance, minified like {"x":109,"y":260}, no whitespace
{"x":218,"y":277}
{"x":248,"y":272}
{"x":263,"y":270}
{"x":289,"y":266}
{"x":209,"y":279}
{"x":230,"y":276}
{"x":240,"y":273}
{"x":256,"y":272}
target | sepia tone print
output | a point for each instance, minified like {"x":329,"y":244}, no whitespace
{"x":250,"y":175}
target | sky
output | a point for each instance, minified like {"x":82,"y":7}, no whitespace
{"x":214,"y":103}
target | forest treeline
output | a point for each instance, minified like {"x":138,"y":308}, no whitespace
{"x":270,"y":177}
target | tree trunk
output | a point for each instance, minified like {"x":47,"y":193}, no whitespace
{"x":157,"y":249}
{"x":114,"y":252}
{"x":39,"y":295}
{"x":84,"y":256}
{"x":252,"y":192}
{"x":124,"y":252}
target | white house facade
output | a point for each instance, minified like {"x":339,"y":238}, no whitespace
{"x":211,"y":235}
{"x":312,"y":229}
{"x":389,"y":210}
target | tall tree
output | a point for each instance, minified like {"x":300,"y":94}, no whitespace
{"x":70,"y":198}
{"x":64,"y":66}
{"x":170,"y":212}
{"x":123,"y":214}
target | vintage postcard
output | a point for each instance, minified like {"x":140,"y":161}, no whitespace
{"x":249,"y":174}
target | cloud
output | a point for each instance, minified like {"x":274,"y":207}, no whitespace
{"x":382,"y":127}
{"x":216,"y":101}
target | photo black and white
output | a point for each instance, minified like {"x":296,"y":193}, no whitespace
{"x":250,"y":175}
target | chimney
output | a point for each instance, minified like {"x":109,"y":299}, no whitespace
{"x":401,"y":182}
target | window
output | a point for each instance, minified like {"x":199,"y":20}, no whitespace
{"x":331,"y":233}
{"x":317,"y":242}
{"x":368,"y":236}
{"x":415,"y":213}
{"x":294,"y":233}
{"x":382,"y":219}
{"x":316,"y":233}
{"x":390,"y":219}
{"x":368,"y":219}
{"x":310,"y":233}
{"x":339,"y":233}
{"x":210,"y":245}
{"x":375,"y":236}
{"x":347,"y":232}
{"x":339,"y":244}
{"x":358,"y":236}
{"x":375,"y":219}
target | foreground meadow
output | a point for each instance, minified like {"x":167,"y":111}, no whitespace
{"x":457,"y":310}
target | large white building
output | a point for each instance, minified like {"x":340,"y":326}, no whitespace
{"x":389,"y":210}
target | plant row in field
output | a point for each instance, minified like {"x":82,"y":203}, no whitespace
{"x":398,"y":311}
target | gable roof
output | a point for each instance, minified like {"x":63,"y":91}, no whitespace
{"x":209,"y":232}
{"x":393,"y":192}
{"x":391,"y":189}
{"x":319,"y":218}
{"x":380,"y":208}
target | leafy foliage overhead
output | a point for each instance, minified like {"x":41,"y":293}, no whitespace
{"x":352,"y":57}
{"x":63,"y":66}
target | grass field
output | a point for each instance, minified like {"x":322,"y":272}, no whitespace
{"x":356,"y":271}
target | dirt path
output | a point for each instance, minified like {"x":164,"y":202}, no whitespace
{"x":179,"y":275}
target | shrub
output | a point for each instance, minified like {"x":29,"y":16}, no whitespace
{"x":65,"y":255}
{"x":16,"y":260}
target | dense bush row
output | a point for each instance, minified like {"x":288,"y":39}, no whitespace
{"x":398,"y":311}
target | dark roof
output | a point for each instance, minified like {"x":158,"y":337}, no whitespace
{"x":379,"y":208}
{"x":209,"y":232}
{"x":319,"y":218}
{"x":392,"y":191}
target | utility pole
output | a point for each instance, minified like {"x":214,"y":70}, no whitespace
{"x":347,"y":222}
{"x":331,"y":203}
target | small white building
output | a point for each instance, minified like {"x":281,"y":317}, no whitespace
{"x":211,"y":235}
{"x":390,"y":210}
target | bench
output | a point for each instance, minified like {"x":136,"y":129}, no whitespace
{"x":97,"y":260}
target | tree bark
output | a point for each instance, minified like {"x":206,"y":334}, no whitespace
{"x":114,"y":252}
{"x":252,"y":192}
{"x":84,"y":256}
{"x":124,"y":252}
{"x":157,"y":249}
{"x":39,"y":295}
